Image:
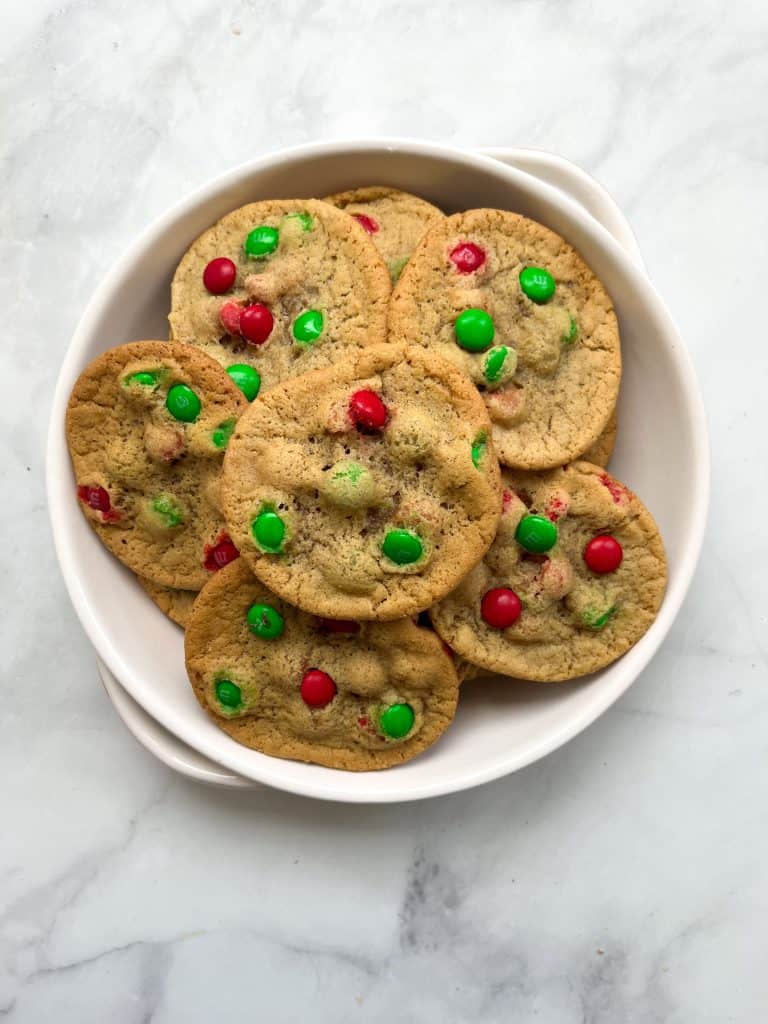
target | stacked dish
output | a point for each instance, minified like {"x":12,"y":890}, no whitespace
{"x":464,"y":752}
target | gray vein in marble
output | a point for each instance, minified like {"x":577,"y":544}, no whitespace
{"x":45,"y":904}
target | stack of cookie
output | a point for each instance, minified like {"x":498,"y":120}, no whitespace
{"x":307,"y":475}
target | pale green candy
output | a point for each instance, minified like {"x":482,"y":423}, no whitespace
{"x":349,"y":485}
{"x":499,"y":365}
{"x":572,"y":333}
{"x":396,"y":267}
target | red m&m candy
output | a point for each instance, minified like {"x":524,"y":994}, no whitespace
{"x":603,"y":554}
{"x":230,"y":314}
{"x":556,"y":508}
{"x":317,"y":688}
{"x":98,"y":499}
{"x":367,"y":410}
{"x":615,"y":489}
{"x":256,"y":323}
{"x":216,"y":556}
{"x":219,"y":275}
{"x":366,"y":223}
{"x":94,"y":497}
{"x":500,"y":607}
{"x":467,"y":257}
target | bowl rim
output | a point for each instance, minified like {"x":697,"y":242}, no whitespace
{"x":323,"y":785}
{"x":164,"y":745}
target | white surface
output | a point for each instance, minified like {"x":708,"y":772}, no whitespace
{"x":129,"y":895}
{"x":498,"y":727}
{"x":165,"y":745}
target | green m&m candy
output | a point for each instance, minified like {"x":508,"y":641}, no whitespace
{"x":182,"y":403}
{"x":228,"y":694}
{"x":261,"y":242}
{"x":479,"y":446}
{"x":403,"y":547}
{"x":308,"y":327}
{"x":397,"y":720}
{"x":143,"y":378}
{"x":538,"y":284}
{"x":168,"y":510}
{"x":499,"y":365}
{"x":396,"y":267}
{"x":268,"y":531}
{"x":536,"y":534}
{"x":247,"y":378}
{"x":222,"y":433}
{"x":265,"y":621}
{"x":305,"y":220}
{"x":596,"y":620}
{"x":474,"y":330}
{"x":572,"y":333}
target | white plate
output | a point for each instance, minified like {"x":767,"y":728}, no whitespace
{"x":163,"y":744}
{"x":555,"y":170}
{"x":662,"y":453}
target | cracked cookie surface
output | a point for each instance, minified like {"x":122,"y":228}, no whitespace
{"x":574,"y":578}
{"x":297,"y":285}
{"x":147,"y":425}
{"x":353,"y":695}
{"x":517,"y":309}
{"x":365,"y":490}
{"x":396,"y":221}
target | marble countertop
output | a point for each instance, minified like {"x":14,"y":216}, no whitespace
{"x":624,"y":879}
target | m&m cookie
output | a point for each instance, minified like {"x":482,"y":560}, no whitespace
{"x":147,"y":427}
{"x":175,"y":604}
{"x":517,"y":309}
{"x":278,"y":288}
{"x":344,"y":694}
{"x":365,"y":490}
{"x":395,"y":221}
{"x":574,"y":578}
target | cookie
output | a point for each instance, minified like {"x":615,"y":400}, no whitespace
{"x":396,"y":221}
{"x":147,"y":426}
{"x":281,"y":286}
{"x":518,"y":310}
{"x":574,"y":578}
{"x":176,"y":604}
{"x":365,"y":490}
{"x":463,"y":668}
{"x":601,"y":451}
{"x":353,"y":695}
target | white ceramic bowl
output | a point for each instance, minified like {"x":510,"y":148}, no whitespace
{"x":567,"y":178}
{"x":662,"y":453}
